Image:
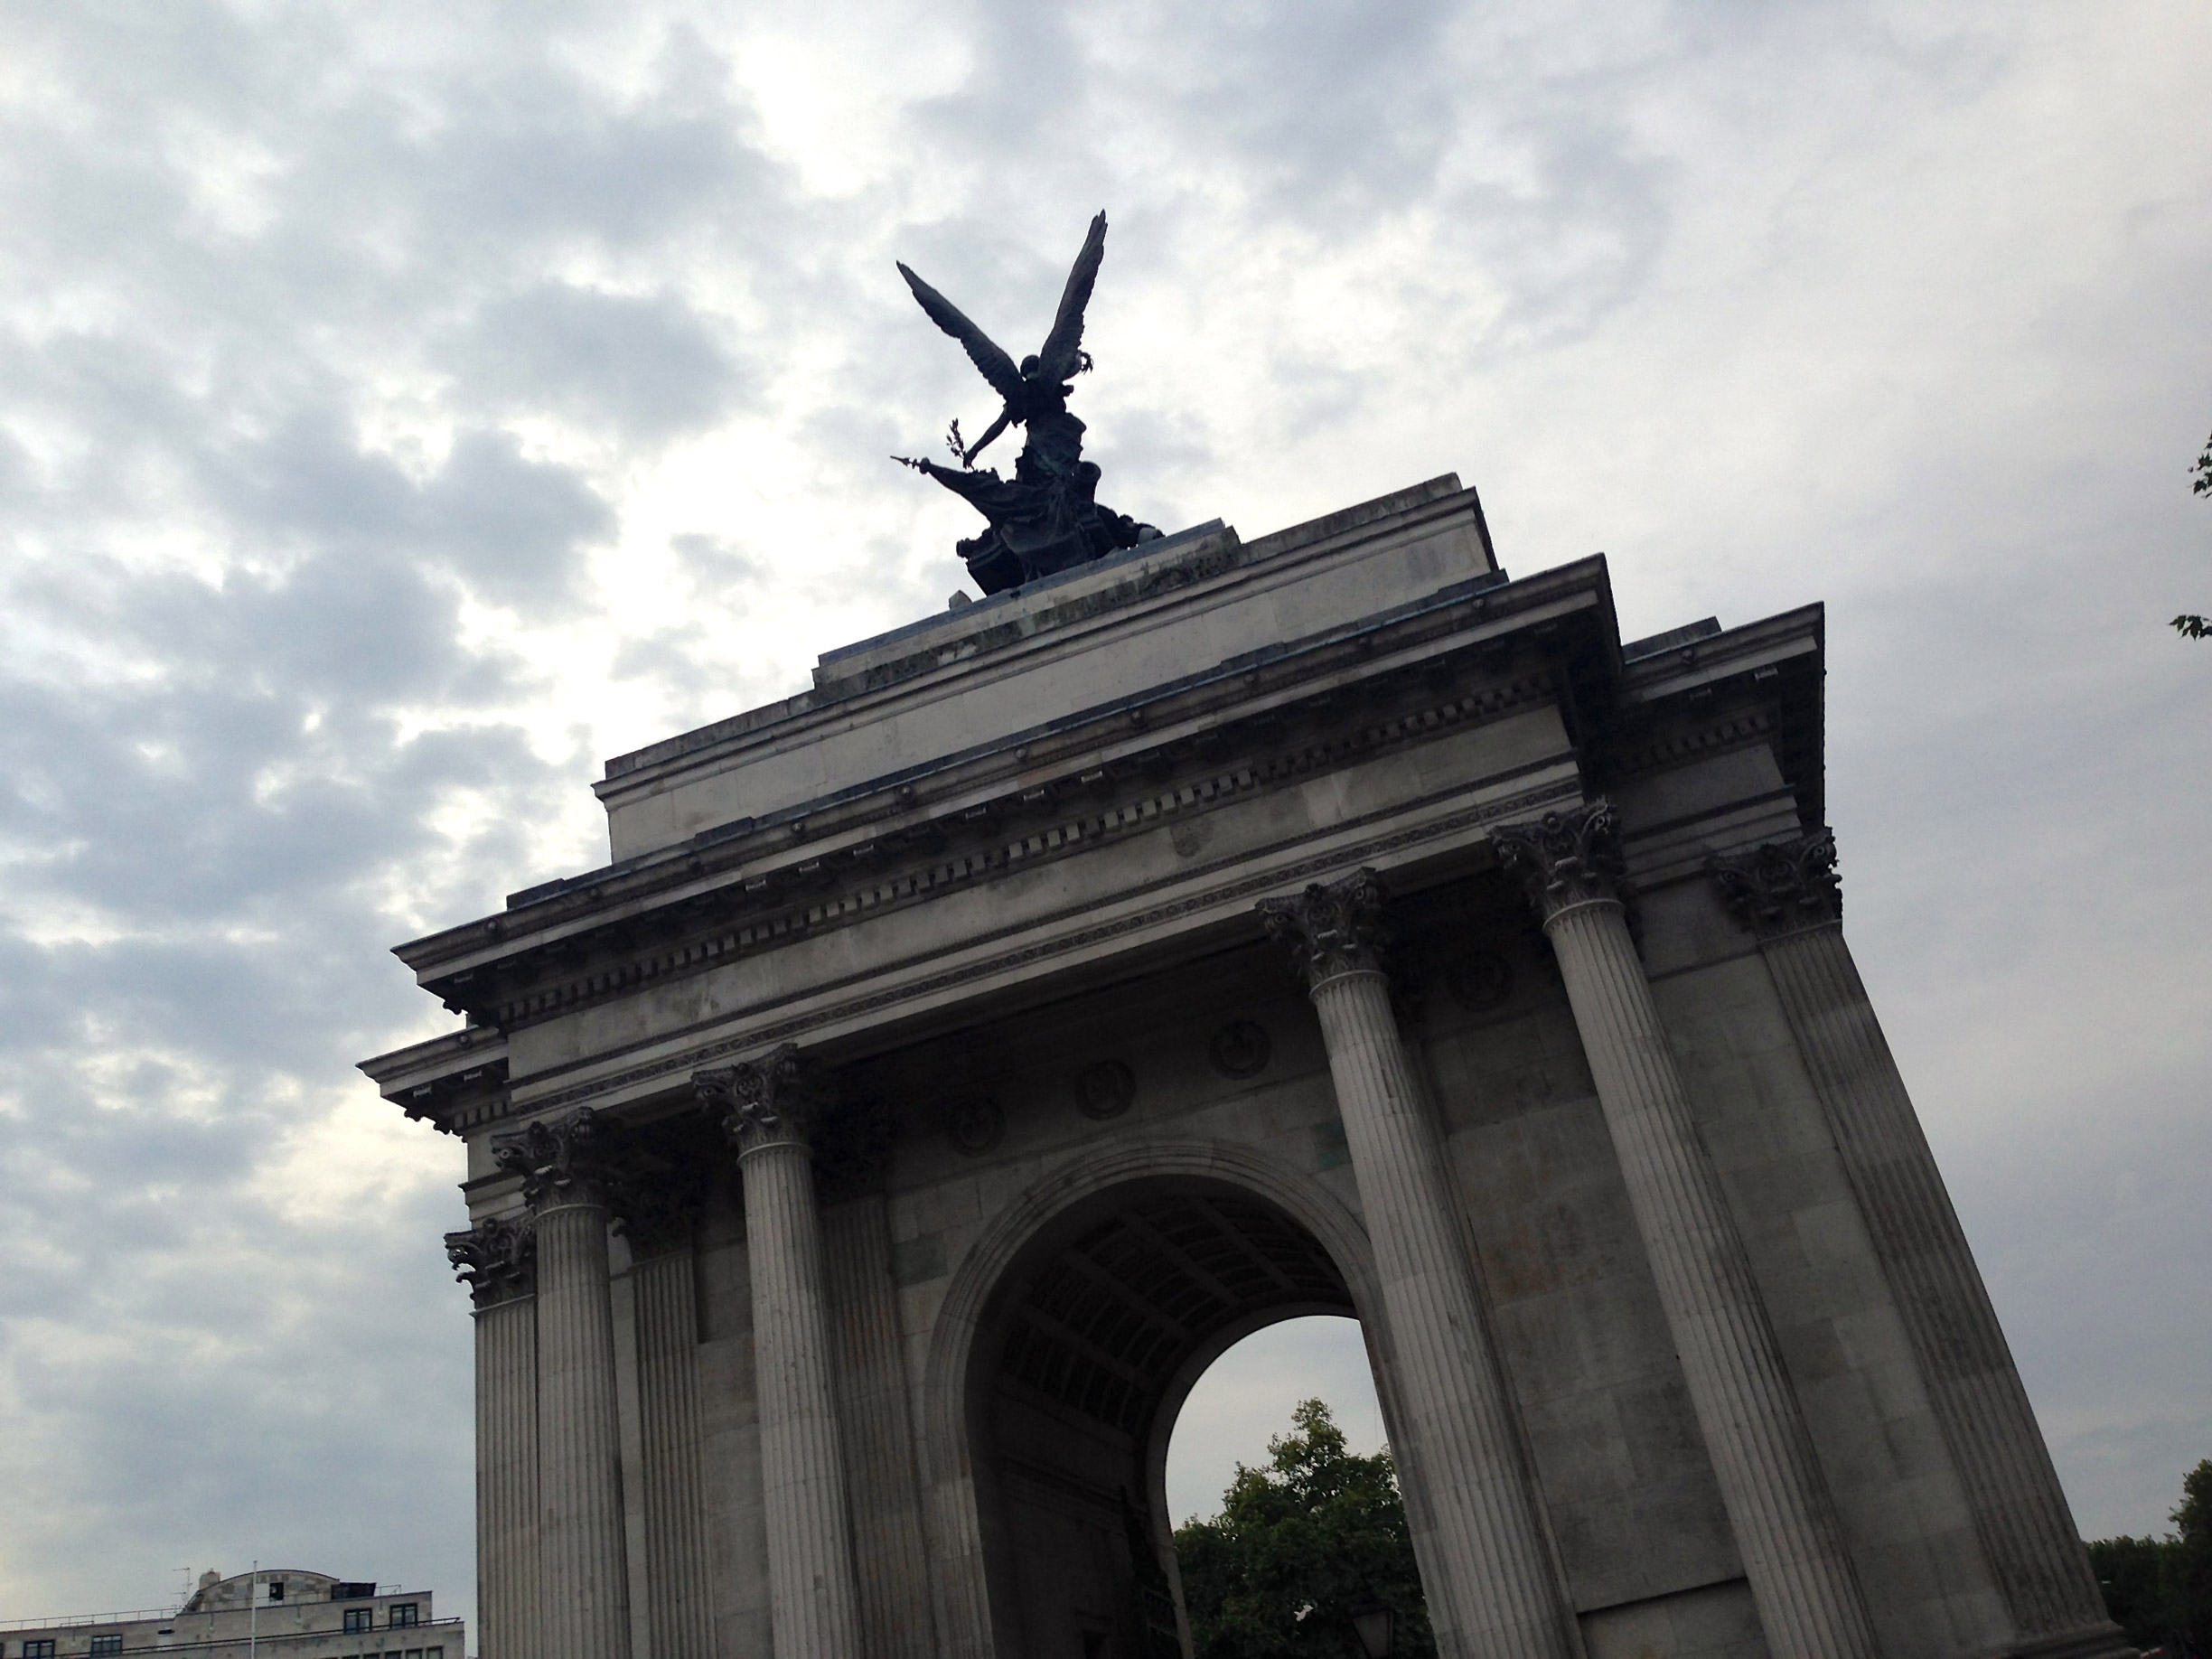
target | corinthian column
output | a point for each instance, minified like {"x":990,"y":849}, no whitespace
{"x":1778,"y":1504}
{"x":1786,"y":895}
{"x":657,"y":1214}
{"x":497,"y":1259}
{"x":584,"y":1612}
{"x":1484,"y":1563}
{"x":768,"y":1107}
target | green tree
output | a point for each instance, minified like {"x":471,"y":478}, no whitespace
{"x":2160,"y":1589}
{"x":2191,"y":626}
{"x":1300,"y":1546}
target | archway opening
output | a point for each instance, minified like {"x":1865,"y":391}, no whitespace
{"x":1085,"y":1353}
{"x":1245,"y":1399}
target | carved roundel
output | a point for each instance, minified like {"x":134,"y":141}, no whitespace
{"x":1105,"y":1090}
{"x":1241,"y":1049}
{"x":1479,"y":981}
{"x":975,"y":1125}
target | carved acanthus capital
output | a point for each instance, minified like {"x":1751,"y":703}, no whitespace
{"x":1783,"y":886}
{"x":777,"y":1100}
{"x":497,"y":1259}
{"x":1566,"y":858}
{"x":1333,"y":928}
{"x":569,"y":1160}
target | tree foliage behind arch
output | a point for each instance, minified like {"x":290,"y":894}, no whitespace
{"x":1302,"y":1543}
{"x":2160,"y":1589}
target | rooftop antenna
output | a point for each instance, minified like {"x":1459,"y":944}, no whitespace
{"x":183,"y":1590}
{"x":253,"y":1608}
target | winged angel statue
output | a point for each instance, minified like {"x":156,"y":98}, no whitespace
{"x":1044,"y":518}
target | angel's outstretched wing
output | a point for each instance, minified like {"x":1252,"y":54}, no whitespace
{"x":1060,"y":356}
{"x":997,"y":366}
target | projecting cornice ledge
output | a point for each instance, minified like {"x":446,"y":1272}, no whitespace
{"x":453,"y":1082}
{"x":1017,"y":961}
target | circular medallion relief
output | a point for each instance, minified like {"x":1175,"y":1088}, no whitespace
{"x":1105,"y":1090}
{"x":1241,"y":1049}
{"x":1479,"y":981}
{"x":976,"y":1125}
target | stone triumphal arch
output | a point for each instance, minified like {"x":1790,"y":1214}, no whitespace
{"x":957,"y":1056}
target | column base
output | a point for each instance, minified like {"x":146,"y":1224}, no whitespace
{"x":2093,"y":1642}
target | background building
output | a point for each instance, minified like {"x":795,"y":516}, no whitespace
{"x":278,"y":1613}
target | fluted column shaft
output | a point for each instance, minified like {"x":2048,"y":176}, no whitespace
{"x":507,"y":1479}
{"x":1497,"y":1595}
{"x":1770,"y":1479}
{"x":810,"y":1564}
{"x":1484,"y":1564}
{"x":1786,"y":894}
{"x":677,"y":1577}
{"x":585,"y":1585}
{"x":892,"y":1566}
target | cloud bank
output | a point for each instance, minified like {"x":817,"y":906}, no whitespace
{"x":401,"y":409}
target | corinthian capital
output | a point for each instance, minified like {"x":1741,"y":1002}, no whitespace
{"x":776,"y":1099}
{"x":1331,"y":929}
{"x":1781,"y":886}
{"x":496,"y":1258}
{"x":569,"y":1160}
{"x":1565,"y":858}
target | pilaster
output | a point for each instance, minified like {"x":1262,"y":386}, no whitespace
{"x":1777,"y":1500}
{"x":1786,"y":894}
{"x":1492,"y":1591}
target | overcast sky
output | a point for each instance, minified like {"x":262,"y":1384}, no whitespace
{"x":403,"y":407}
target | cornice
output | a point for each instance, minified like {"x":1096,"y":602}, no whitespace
{"x":452,"y":1081}
{"x":839,"y":887}
{"x":1761,"y":683}
{"x":1454,"y":634}
{"x":1235,"y":884}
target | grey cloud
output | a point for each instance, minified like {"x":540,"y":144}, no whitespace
{"x":233,"y":232}
{"x":648,"y":366}
{"x":514,"y":527}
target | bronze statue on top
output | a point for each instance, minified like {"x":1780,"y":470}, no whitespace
{"x":1044,"y":518}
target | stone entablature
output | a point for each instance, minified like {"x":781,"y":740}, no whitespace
{"x":1485,"y":665}
{"x":918,"y":1103}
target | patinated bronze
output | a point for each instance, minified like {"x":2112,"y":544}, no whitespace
{"x":1046,"y":517}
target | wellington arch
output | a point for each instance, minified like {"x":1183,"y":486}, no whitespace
{"x":956,"y":1057}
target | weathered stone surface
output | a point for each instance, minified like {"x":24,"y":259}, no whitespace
{"x":1072,"y":1131}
